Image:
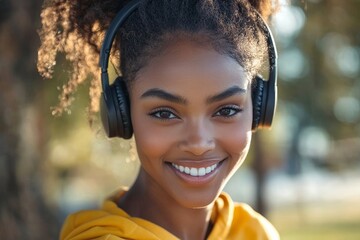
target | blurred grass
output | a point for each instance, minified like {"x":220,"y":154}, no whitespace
{"x":320,"y":231}
{"x":330,"y":221}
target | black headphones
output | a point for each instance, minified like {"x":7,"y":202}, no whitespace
{"x":115,"y":104}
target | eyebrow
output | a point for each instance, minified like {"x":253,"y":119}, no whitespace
{"x":234,"y":90}
{"x":155,"y":92}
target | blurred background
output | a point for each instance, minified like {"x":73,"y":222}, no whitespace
{"x":304,"y":175}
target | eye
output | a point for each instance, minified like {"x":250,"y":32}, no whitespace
{"x":163,"y":113}
{"x":228,"y":111}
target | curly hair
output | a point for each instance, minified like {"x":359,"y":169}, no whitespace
{"x":77,"y":28}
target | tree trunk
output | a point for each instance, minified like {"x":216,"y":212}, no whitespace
{"x":23,"y":210}
{"x":260,"y":169}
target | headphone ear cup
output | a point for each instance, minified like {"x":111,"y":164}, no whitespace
{"x":258,"y":101}
{"x":121,"y":95}
{"x":115,"y":110}
{"x":108,"y":113}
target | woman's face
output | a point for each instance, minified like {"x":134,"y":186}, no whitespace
{"x":192,"y":114}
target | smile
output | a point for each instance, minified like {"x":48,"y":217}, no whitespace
{"x":195,"y":172}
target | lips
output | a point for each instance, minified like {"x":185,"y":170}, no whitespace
{"x":197,"y":172}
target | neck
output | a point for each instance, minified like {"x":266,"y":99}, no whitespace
{"x":150,"y":202}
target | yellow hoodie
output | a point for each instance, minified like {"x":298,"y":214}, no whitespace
{"x":231,"y":221}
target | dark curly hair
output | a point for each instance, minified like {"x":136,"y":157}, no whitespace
{"x":76,"y":28}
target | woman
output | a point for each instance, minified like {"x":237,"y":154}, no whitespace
{"x":187,"y":69}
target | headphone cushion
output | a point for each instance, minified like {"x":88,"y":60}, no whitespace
{"x":257,"y":101}
{"x":106,"y":113}
{"x":122,"y":107}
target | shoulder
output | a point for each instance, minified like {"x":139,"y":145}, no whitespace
{"x":110,"y":223}
{"x":91,"y":224}
{"x":253,"y":222}
{"x":239,"y":221}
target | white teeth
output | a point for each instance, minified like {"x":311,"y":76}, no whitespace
{"x":201,"y":171}
{"x":195,"y":171}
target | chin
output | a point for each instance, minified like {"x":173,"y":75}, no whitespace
{"x":198,"y":203}
{"x":198,"y":198}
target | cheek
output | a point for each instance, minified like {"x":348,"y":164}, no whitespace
{"x":239,"y":149}
{"x":237,"y":141}
{"x":152,"y":142}
{"x":237,"y":137}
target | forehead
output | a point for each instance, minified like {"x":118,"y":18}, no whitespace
{"x":189,"y":64}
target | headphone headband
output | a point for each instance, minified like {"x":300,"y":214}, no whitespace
{"x":125,"y":12}
{"x":105,"y":51}
{"x":271,"y":89}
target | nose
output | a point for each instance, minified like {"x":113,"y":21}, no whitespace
{"x":198,"y":138}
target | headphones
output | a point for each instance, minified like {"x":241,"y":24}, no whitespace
{"x":115,"y":104}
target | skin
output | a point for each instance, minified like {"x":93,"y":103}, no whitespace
{"x":190,"y":106}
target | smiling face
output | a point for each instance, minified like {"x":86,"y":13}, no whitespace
{"x":191,"y":113}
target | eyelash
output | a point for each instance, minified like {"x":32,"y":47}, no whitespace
{"x":234,"y":108}
{"x":156,"y":113}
